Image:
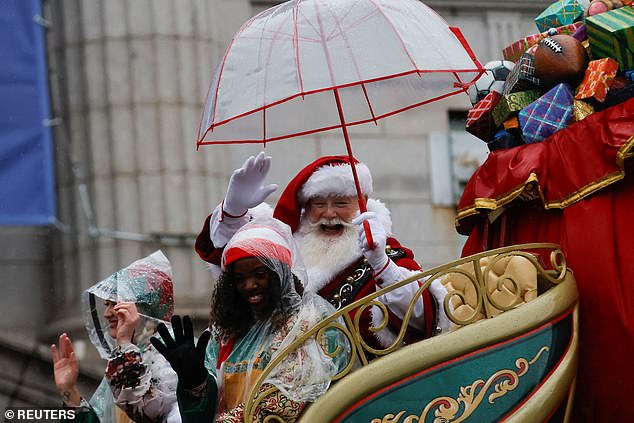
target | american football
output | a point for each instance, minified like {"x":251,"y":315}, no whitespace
{"x":560,"y":58}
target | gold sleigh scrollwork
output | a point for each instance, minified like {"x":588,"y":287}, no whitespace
{"x":447,"y":408}
{"x":350,"y":328}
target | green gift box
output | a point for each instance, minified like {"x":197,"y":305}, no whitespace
{"x":611,"y":34}
{"x":562,"y":12}
{"x":513,"y":103}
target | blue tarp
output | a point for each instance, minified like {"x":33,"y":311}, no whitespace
{"x":27,"y":188}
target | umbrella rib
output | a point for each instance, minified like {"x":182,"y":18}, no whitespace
{"x":328,"y":128}
{"x":222,"y":66}
{"x":266,"y":71}
{"x":391,"y":24}
{"x":324,"y":43}
{"x":396,"y":75}
{"x":296,"y":45}
{"x":343,"y":18}
{"x":463,"y":41}
{"x":311,"y":25}
{"x":359,"y":21}
{"x":354,"y":62}
{"x":287,"y":37}
{"x":202,"y":118}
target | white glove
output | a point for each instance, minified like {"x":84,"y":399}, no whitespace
{"x":377,"y":258}
{"x":246,"y":189}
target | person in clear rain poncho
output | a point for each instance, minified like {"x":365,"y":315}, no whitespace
{"x":121,"y":313}
{"x":258,"y":308}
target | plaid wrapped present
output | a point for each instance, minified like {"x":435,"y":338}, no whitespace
{"x":611,"y":34}
{"x":562,"y":12}
{"x":512,"y":103}
{"x":522,"y":76}
{"x":598,"y":78}
{"x":480,"y":118}
{"x":582,"y":110}
{"x":514,"y":51}
{"x":548,"y":114}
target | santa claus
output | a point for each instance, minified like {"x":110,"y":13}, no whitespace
{"x":320,"y":205}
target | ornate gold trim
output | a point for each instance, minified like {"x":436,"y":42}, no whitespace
{"x":351,"y":331}
{"x":531,"y":184}
{"x":360,"y":386}
{"x":502,"y":381}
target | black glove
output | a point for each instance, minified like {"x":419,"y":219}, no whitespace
{"x":187,"y":359}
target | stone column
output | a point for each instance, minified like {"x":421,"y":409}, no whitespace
{"x":129,"y":78}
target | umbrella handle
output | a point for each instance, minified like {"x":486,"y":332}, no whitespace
{"x":368,"y":234}
{"x":362,"y":208}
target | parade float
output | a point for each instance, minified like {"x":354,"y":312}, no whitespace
{"x":512,"y":355}
{"x":560,"y":171}
{"x":558,"y":117}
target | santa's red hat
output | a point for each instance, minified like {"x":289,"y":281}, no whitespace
{"x":328,"y":175}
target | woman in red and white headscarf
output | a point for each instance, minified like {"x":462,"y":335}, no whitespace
{"x":258,"y":308}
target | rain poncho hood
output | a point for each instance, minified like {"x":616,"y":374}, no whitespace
{"x":305,"y":374}
{"x":148,"y":284}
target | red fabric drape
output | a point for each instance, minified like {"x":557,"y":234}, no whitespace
{"x":591,"y":217}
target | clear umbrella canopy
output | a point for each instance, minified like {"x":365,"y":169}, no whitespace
{"x":380,"y":56}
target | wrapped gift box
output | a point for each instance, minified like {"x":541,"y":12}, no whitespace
{"x":562,"y":12}
{"x":582,"y":110}
{"x":512,"y":103}
{"x":611,"y":34}
{"x":480,"y":118}
{"x":580,"y":34}
{"x":514,"y":51}
{"x":504,"y":139}
{"x":621,"y":90}
{"x":598,"y":78}
{"x":548,"y":114}
{"x":511,"y":124}
{"x":522,"y":76}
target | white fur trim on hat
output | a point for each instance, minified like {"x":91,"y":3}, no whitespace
{"x":336,"y":180}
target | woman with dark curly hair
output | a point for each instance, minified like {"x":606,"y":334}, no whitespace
{"x":229,"y":308}
{"x":257,"y":309}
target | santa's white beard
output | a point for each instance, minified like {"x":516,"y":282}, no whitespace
{"x":325,"y":256}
